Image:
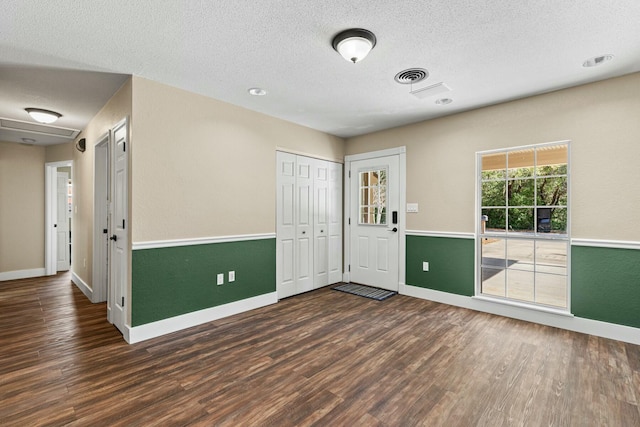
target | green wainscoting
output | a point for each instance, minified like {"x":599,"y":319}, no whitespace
{"x":605,"y":284}
{"x":168,"y":282}
{"x":451,"y":264}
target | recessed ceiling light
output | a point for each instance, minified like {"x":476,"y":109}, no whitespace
{"x":597,"y":60}
{"x":444,"y":101}
{"x":256,"y":91}
{"x":43,"y":116}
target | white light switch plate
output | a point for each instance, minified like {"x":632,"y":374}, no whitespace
{"x":232,"y":276}
{"x":220,"y":279}
{"x":412,"y":207}
{"x":425,"y":266}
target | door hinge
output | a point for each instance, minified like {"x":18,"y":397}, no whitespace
{"x":123,"y":224}
{"x":349,"y":267}
{"x":349,"y":174}
{"x":122,"y":302}
{"x":124,"y":146}
{"x":349,"y":221}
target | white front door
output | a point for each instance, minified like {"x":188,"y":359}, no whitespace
{"x":63,"y":257}
{"x":374,"y":214}
{"x":119,"y":226}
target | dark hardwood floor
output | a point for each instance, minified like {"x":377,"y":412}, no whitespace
{"x":324,"y":359}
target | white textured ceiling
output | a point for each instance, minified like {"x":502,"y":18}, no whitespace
{"x":486,"y":51}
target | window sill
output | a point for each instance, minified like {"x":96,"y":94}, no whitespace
{"x":556,"y":311}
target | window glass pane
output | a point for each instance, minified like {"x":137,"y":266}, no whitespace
{"x":551,"y":257}
{"x":521,"y":163}
{"x":493,"y":253}
{"x":552,"y":191}
{"x":521,"y":220}
{"x":551,"y":289}
{"x":520,"y":192}
{"x":493,"y":281}
{"x":494,"y":220}
{"x":494,"y":166}
{"x":520,"y":254}
{"x":494,"y":193}
{"x":364,"y":215}
{"x":558,"y":221}
{"x":520,"y":285}
{"x":552,"y":160}
{"x":373,"y":197}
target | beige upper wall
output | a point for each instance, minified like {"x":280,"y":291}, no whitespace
{"x":118,"y":108}
{"x":601,"y":119}
{"x":21,"y":207}
{"x":59,"y":152}
{"x":205,"y":168}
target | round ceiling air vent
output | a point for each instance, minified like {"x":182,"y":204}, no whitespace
{"x":411,"y":75}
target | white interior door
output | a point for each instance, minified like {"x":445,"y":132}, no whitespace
{"x":304,"y":224}
{"x":374,"y":197}
{"x":334,"y":254}
{"x":63,"y":257}
{"x":321,"y":212}
{"x":285,"y":227}
{"x":309,"y":224}
{"x":119,"y":223}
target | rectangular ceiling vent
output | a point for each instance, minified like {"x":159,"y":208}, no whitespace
{"x":36,"y":128}
{"x":432,"y":90}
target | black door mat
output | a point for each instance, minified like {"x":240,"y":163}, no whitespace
{"x":365,"y":291}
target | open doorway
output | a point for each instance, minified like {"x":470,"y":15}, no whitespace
{"x":58,"y":206}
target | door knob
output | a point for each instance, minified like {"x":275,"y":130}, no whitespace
{"x":394,"y":229}
{"x":114,"y":238}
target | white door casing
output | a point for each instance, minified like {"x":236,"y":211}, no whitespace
{"x":118,"y":276}
{"x":51,"y":214}
{"x":101,"y":221}
{"x":62,"y":223}
{"x":309,"y":223}
{"x":375,"y":253}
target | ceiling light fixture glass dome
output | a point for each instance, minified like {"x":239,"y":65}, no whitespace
{"x":354,"y":44}
{"x":43,"y":116}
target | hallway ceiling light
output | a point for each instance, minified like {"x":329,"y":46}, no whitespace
{"x":354,"y":44}
{"x":43,"y":116}
{"x":597,"y":60}
{"x":256,"y":91}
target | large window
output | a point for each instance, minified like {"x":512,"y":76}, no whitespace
{"x":523,"y":235}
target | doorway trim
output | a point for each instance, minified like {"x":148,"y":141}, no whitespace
{"x":401,"y":152}
{"x":100,"y":271}
{"x":50,"y":203}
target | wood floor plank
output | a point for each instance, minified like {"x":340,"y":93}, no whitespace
{"x":322,"y":358}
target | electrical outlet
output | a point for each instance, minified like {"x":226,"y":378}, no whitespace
{"x":425,"y":266}
{"x":220,"y":278}
{"x":232,"y":276}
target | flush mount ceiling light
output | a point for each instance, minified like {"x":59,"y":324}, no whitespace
{"x":444,"y":101}
{"x":354,"y":44}
{"x":43,"y":116}
{"x":256,"y":91}
{"x":597,"y":60}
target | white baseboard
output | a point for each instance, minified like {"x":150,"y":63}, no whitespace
{"x":571,"y":323}
{"x":22,"y":274}
{"x":82,"y":285}
{"x":166,"y":326}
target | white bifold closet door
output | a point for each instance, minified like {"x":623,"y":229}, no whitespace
{"x":309,"y":224}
